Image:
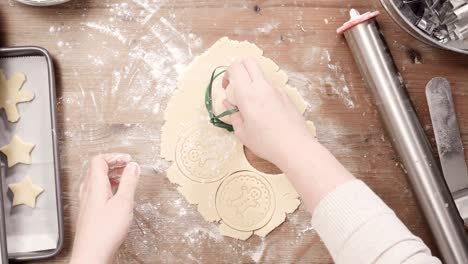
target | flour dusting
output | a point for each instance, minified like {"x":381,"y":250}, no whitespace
{"x":197,"y":233}
{"x":336,"y":82}
{"x":116,"y":93}
{"x":258,"y":252}
{"x":108,"y":30}
{"x":268,"y":27}
{"x":150,"y":9}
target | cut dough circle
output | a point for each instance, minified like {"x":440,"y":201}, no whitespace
{"x":209,"y":165}
{"x":245,"y":201}
{"x":197,"y":154}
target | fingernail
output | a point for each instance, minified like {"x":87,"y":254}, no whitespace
{"x":134,"y":168}
{"x":121,"y":158}
{"x":124,"y":157}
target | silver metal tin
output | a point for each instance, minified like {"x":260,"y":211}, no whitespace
{"x":392,"y":9}
{"x":37,"y":51}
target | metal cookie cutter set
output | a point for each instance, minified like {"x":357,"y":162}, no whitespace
{"x":31,"y":233}
{"x":440,"y":23}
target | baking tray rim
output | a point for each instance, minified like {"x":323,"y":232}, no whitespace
{"x":3,"y":241}
{"x":39,"y":51}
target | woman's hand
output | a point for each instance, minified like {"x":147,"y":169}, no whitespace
{"x":268,"y":122}
{"x":104,"y":218}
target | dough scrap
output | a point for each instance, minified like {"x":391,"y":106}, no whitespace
{"x":17,"y":151}
{"x":11,"y":94}
{"x":25,"y":192}
{"x":209,"y":164}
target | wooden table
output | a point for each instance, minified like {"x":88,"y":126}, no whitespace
{"x":117,"y":62}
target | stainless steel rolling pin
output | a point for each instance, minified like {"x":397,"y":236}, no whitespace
{"x":407,"y":135}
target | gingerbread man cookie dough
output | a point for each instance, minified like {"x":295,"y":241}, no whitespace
{"x":13,"y":93}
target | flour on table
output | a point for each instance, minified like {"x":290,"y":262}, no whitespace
{"x":209,"y":163}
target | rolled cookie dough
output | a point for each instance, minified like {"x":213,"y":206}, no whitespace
{"x":209,"y":165}
{"x":11,"y":94}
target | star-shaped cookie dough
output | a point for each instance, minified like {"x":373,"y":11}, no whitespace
{"x":25,"y":192}
{"x":11,"y":94}
{"x":17,"y":151}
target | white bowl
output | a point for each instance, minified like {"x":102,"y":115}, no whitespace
{"x":42,"y":2}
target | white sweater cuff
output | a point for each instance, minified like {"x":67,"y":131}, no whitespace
{"x":355,"y":224}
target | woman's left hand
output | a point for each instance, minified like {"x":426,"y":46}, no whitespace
{"x":104,"y":217}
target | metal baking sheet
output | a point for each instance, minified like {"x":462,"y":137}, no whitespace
{"x":33,"y":233}
{"x":3,"y":242}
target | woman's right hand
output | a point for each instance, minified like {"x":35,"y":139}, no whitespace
{"x":268,"y":122}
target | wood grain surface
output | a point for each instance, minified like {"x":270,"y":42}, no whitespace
{"x":116,"y":64}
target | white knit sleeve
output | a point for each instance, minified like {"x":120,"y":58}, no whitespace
{"x":358,"y":227}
